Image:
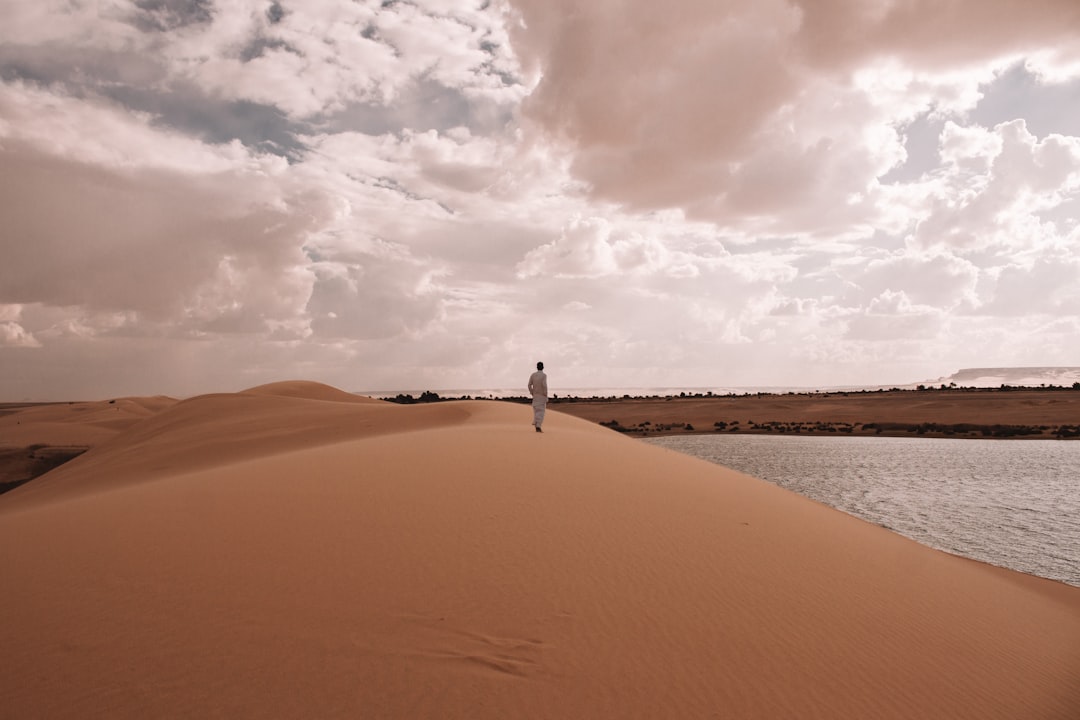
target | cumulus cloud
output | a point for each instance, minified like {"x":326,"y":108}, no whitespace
{"x":106,"y":213}
{"x":590,"y":248}
{"x":892,"y":316}
{"x":317,"y":57}
{"x":13,"y":334}
{"x":1049,"y":285}
{"x":940,"y":280}
{"x":994,"y":186}
{"x":737,"y":109}
{"x":399,"y":194}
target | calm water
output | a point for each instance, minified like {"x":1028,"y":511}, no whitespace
{"x":1013,"y":503}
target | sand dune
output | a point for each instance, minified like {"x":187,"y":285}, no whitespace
{"x":219,"y":429}
{"x":292,"y":551}
{"x":37,"y":438}
{"x":77,"y":423}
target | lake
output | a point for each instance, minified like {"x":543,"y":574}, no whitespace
{"x":1012,"y":503}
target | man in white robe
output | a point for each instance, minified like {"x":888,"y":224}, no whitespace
{"x":538,"y":390}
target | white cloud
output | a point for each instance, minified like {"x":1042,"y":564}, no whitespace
{"x":892,"y":316}
{"x":969,"y":150}
{"x":12,"y":333}
{"x":1049,"y":285}
{"x":1057,"y":65}
{"x":319,"y":56}
{"x":995,"y":184}
{"x":750,"y":192}
{"x":95,"y":133}
{"x":594,"y":247}
{"x":108,"y":214}
{"x":939,"y":280}
{"x":63,"y":22}
{"x":654,"y":123}
{"x":583,"y":250}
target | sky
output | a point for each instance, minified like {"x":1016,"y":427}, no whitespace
{"x":203,"y":196}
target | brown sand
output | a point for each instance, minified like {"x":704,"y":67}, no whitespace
{"x":296,"y":552}
{"x":1040,"y":411}
{"x":34,"y":438}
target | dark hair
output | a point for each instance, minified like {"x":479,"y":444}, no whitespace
{"x":539,"y":366}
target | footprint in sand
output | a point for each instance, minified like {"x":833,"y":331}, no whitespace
{"x":479,"y":651}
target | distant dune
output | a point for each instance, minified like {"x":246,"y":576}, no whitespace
{"x":296,"y":551}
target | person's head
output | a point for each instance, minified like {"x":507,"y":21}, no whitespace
{"x":539,"y":366}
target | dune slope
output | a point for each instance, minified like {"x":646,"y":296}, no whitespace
{"x":213,"y":430}
{"x":76,"y":423}
{"x":446,"y":561}
{"x":37,"y":438}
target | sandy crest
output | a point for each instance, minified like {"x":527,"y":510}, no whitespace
{"x":446,"y":561}
{"x":218,"y":429}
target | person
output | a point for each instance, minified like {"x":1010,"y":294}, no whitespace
{"x":538,"y":390}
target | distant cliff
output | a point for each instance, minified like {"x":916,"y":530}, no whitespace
{"x":1015,"y":376}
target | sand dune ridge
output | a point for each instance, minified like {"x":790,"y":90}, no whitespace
{"x":221,"y":428}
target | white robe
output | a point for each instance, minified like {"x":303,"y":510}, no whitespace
{"x":539,"y":390}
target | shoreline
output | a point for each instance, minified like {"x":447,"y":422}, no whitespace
{"x":1007,"y":505}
